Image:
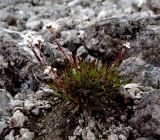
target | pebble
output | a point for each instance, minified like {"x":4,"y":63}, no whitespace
{"x":131,"y":85}
{"x":29,"y":105}
{"x":113,"y":137}
{"x":17,"y":120}
{"x":90,"y":135}
{"x":44,"y":131}
{"x":100,"y":136}
{"x":122,"y":137}
{"x":110,"y":119}
{"x":80,"y":121}
{"x":92,"y":124}
{"x":27,"y":136}
{"x":77,"y":131}
{"x":36,"y":111}
{"x":72,"y":137}
{"x":10,"y":136}
{"x":123,"y":118}
{"x":34,"y":25}
{"x":3,"y":125}
{"x":17,"y":137}
{"x":23,"y":130}
{"x":17,"y":103}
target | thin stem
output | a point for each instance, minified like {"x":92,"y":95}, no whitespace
{"x":58,"y":44}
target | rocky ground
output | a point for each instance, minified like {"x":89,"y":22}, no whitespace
{"x":96,"y":29}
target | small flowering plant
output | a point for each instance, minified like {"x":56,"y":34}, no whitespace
{"x":88,"y":86}
{"x":82,"y":83}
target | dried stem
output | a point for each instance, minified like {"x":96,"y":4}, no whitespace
{"x":58,"y":44}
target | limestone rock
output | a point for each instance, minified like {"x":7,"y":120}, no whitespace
{"x":17,"y":120}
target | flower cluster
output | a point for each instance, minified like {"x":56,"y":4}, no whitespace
{"x":82,"y":83}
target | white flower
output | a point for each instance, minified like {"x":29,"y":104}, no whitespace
{"x":38,"y":42}
{"x":127,"y":45}
{"x":29,"y":36}
{"x":47,"y":70}
{"x":52,"y":25}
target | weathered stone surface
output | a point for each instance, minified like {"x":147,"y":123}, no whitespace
{"x":146,"y":117}
{"x":105,"y":38}
{"x":14,"y":62}
{"x":3,"y":125}
{"x":5,"y":108}
{"x":17,"y":120}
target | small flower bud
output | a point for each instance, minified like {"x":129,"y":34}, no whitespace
{"x":38,"y":42}
{"x":49,"y":68}
{"x":127,"y":45}
{"x":55,"y":69}
{"x":52,"y":25}
{"x":46,"y":71}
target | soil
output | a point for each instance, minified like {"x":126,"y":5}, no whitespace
{"x":51,"y":125}
{"x":56,"y":124}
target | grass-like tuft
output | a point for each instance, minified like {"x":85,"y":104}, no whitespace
{"x":88,"y":86}
{"x":83,"y":84}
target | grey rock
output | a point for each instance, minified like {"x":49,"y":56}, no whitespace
{"x":140,"y":71}
{"x":3,"y":25}
{"x":29,"y":105}
{"x":133,"y":90}
{"x":107,"y":11}
{"x":10,"y":136}
{"x":7,"y":17}
{"x":3,"y":125}
{"x":91,"y":123}
{"x":147,"y":109}
{"x":77,"y":131}
{"x":132,"y":66}
{"x":87,"y":134}
{"x":5,"y":107}
{"x":72,"y":137}
{"x":36,"y":111}
{"x":150,"y":76}
{"x":20,"y":96}
{"x":26,"y":134}
{"x":17,"y":137}
{"x":126,"y":131}
{"x":105,"y":38}
{"x":34,"y":25}
{"x":17,"y":103}
{"x":73,"y":3}
{"x":101,"y":46}
{"x":16,"y":61}
{"x":81,"y":121}
{"x":82,"y":52}
{"x":123,"y":118}
{"x":23,"y":130}
{"x":72,"y":39}
{"x":90,"y":135}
